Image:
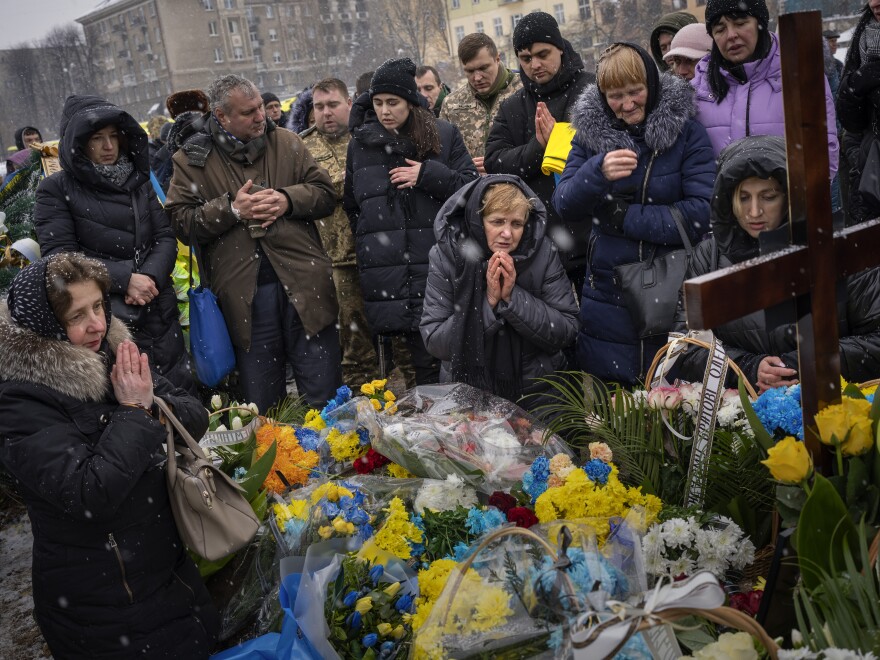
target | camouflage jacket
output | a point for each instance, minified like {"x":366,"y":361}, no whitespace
{"x":470,"y":115}
{"x":335,"y":229}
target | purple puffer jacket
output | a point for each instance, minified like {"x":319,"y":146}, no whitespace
{"x":755,"y":107}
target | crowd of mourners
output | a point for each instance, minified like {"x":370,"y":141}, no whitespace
{"x":408,"y":226}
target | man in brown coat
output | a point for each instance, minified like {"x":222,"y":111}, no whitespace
{"x":247,"y":195}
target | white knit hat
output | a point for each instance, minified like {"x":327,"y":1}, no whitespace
{"x":691,"y":42}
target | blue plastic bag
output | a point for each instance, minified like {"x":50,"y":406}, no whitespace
{"x":208,"y":337}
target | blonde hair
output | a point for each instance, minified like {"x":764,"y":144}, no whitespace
{"x":736,"y":204}
{"x":506,"y":197}
{"x":620,"y":66}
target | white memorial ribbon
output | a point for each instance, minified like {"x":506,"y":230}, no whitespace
{"x":598,"y":635}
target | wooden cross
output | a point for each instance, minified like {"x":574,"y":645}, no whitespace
{"x":807,"y":272}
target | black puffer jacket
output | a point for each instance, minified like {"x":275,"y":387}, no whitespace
{"x":749,"y":340}
{"x":111,"y":578}
{"x":79,"y":210}
{"x":512,"y":148}
{"x":394,"y":228}
{"x":542,"y":310}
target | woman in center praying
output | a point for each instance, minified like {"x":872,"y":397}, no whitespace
{"x":499,"y":309}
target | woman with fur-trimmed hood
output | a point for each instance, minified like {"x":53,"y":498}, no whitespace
{"x":637,"y":152}
{"x":82,"y":439}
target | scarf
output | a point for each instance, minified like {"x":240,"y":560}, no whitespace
{"x":492,"y":363}
{"x":244,"y":153}
{"x":869,"y":42}
{"x":572,"y":65}
{"x":505,"y":76}
{"x":118,"y":172}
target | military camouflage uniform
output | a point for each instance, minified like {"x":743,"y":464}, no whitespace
{"x":473,"y":119}
{"x":359,"y":361}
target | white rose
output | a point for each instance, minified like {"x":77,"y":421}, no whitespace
{"x":253,"y":408}
{"x":216,"y":402}
{"x":236,"y":423}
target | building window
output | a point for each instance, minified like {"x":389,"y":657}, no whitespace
{"x":212,"y":29}
{"x":209,"y":5}
{"x":270,"y":13}
{"x":476,"y":2}
{"x":609,"y":14}
{"x":679,"y":4}
{"x":514,"y":20}
{"x":288,"y":11}
{"x":218,"y":55}
{"x":273,"y":35}
{"x":478,"y":27}
{"x":102,"y":27}
{"x":238,"y":53}
{"x":459,"y":33}
{"x":276,"y":57}
{"x":559,"y":13}
{"x":157,"y":35}
{"x":257,"y":57}
{"x":499,"y":27}
{"x":584,"y":9}
{"x":162,"y":62}
{"x":255,"y":39}
{"x":249,"y":12}
{"x":229,"y":4}
{"x":456,"y":4}
{"x":233,"y":26}
{"x":279,"y":79}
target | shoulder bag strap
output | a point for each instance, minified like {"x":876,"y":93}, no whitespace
{"x":173,"y":424}
{"x":679,"y":222}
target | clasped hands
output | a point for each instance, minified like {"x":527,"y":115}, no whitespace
{"x":500,"y":278}
{"x":264,"y":206}
{"x":131,"y":378}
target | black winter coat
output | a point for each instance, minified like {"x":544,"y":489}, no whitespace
{"x":79,"y":210}
{"x":394,"y":228}
{"x":111,"y":578}
{"x":542,"y":310}
{"x":512,"y":148}
{"x":749,"y":340}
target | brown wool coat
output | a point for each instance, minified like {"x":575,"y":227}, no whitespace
{"x":199,"y":206}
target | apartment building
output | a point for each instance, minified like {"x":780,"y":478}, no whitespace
{"x":149,"y":48}
{"x":589,"y":24}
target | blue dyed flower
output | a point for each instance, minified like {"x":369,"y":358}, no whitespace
{"x":364,"y":532}
{"x":239,"y":473}
{"x":541,"y":468}
{"x":598,"y":471}
{"x":556,"y":639}
{"x":376,"y":573}
{"x":479,"y":522}
{"x":780,"y":410}
{"x":416,"y":549}
{"x":332,"y":405}
{"x":417,"y":520}
{"x":370,"y":640}
{"x":354,"y":621}
{"x":309,"y":439}
{"x":357,"y":516}
{"x":461,"y":551}
{"x":330,"y":509}
{"x":363,"y":436}
{"x":532,"y":486}
{"x":350,"y":599}
{"x":404,"y":603}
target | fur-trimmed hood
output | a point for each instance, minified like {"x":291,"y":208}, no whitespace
{"x":596,"y":130}
{"x":72,"y":370}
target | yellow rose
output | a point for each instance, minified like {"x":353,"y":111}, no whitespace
{"x":376,"y":405}
{"x":389,"y":396}
{"x":368,"y":389}
{"x":860,"y":439}
{"x":789,"y":461}
{"x":379,"y":384}
{"x":836,"y":421}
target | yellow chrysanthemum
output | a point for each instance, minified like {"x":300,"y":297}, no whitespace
{"x":297,"y":509}
{"x":332,"y":491}
{"x":399,"y":472}
{"x":345,"y":446}
{"x":314,"y":421}
{"x":397,"y":531}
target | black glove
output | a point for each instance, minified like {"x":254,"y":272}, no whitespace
{"x":612,"y":213}
{"x":865,"y":78}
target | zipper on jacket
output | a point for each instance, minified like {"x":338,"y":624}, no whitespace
{"x":641,"y":256}
{"x":121,"y":566}
{"x":748,"y":110}
{"x":647,"y":176}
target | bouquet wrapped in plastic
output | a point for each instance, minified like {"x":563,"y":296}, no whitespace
{"x":440,"y":430}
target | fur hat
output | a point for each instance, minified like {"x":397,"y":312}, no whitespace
{"x":715,"y":9}
{"x":396,"y":77}
{"x":186,"y":101}
{"x":539,"y":26}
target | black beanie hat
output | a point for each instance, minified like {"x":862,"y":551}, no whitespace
{"x":269,"y":97}
{"x":539,"y":26}
{"x":396,"y":77}
{"x":715,"y":9}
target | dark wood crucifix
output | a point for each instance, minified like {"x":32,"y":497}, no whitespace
{"x":807,"y":272}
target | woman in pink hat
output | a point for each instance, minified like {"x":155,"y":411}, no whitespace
{"x":689,"y":45}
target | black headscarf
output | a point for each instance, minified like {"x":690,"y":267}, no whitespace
{"x":756,"y":8}
{"x":653,"y":85}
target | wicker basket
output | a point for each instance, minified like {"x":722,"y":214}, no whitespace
{"x":696,"y":342}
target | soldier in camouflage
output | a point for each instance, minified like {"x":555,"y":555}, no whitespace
{"x":473,"y":106}
{"x":327,"y":141}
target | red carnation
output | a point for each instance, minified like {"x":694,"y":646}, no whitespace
{"x":502,"y":501}
{"x":522,"y":516}
{"x":749,"y":603}
{"x":369,"y":462}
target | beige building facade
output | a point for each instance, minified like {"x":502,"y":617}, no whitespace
{"x":590,"y":25}
{"x":147,"y":49}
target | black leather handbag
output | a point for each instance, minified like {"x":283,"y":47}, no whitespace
{"x":650,"y":287}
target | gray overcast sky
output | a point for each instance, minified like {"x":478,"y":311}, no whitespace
{"x":27,"y":20}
